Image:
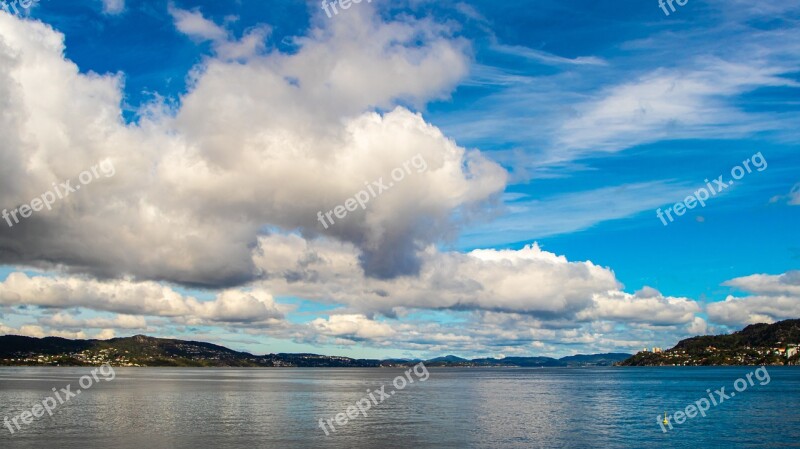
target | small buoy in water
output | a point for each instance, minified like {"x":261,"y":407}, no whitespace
{"x":665,"y":418}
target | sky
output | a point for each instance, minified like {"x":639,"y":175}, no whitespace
{"x":399,"y":179}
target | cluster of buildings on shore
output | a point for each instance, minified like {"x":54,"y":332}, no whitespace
{"x":87,"y":357}
{"x":779,"y":353}
{"x":655,"y":350}
{"x":788,"y":351}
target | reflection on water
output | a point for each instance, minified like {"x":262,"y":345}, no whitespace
{"x":454,"y":408}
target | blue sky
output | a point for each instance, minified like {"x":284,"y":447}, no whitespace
{"x":582,"y":120}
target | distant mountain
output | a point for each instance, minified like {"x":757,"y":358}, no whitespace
{"x":533,"y":362}
{"x":529,"y":362}
{"x":446,"y":359}
{"x":595,"y":359}
{"x":398,"y":362}
{"x":141,"y":350}
{"x":757,"y":344}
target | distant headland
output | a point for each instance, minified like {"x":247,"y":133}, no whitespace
{"x":757,"y":344}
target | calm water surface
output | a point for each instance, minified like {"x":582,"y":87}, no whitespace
{"x":455,"y":408}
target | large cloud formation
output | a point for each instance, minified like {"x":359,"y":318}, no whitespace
{"x":529,"y":281}
{"x":263,"y":140}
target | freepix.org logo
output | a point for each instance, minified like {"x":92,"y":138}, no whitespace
{"x":60,"y":397}
{"x":700,"y":196}
{"x":13,"y":7}
{"x":367,"y":402}
{"x":703,"y":405}
{"x":60,"y":191}
{"x":372,"y":191}
{"x":663,"y":5}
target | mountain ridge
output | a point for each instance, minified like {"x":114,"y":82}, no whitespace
{"x":141,"y":350}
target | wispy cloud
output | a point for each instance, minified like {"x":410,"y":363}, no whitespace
{"x":545,"y":57}
{"x":527,"y":218}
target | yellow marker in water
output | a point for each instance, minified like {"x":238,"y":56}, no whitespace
{"x":665,"y":418}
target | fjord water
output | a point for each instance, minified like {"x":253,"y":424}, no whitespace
{"x":454,"y":408}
